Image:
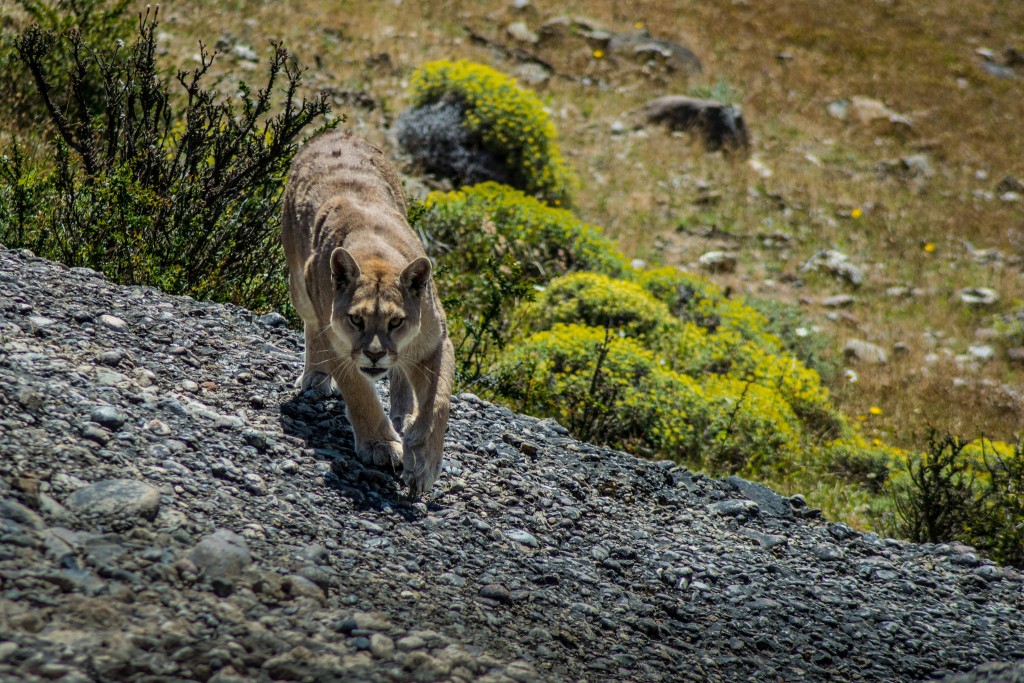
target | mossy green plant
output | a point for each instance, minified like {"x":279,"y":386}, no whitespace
{"x":510,"y":121}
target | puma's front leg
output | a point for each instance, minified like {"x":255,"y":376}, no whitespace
{"x":316,"y":372}
{"x":376,"y":441}
{"x":431,"y":381}
{"x":403,"y":402}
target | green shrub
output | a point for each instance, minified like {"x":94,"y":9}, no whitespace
{"x":185,"y":198}
{"x":855,"y":462}
{"x":694,"y":299}
{"x":629,"y":309}
{"x":971,"y":492}
{"x":97,"y":22}
{"x":510,"y":121}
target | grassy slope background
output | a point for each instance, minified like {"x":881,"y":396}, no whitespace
{"x":816,"y":183}
{"x":783,"y":65}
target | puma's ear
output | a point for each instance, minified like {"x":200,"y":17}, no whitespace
{"x":344,"y":269}
{"x":416,"y":275}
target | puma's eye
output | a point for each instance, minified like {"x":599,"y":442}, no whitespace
{"x":356,"y":320}
{"x":395,"y":323}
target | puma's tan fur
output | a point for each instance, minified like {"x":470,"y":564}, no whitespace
{"x":360,"y":279}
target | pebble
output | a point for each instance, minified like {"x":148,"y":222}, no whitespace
{"x":113,"y":322}
{"x":522,"y":537}
{"x":496,"y":591}
{"x":978,"y":296}
{"x":109,"y":417}
{"x":718,"y":261}
{"x":865,"y":352}
{"x":734,"y":508}
{"x":381,"y":646}
{"x":113,"y":497}
{"x":222,"y":554}
{"x":16,"y":512}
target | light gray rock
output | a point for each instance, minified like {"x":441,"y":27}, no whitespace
{"x":718,"y":261}
{"x":113,"y":497}
{"x":222,"y":554}
{"x":521,"y":32}
{"x":978,"y":296}
{"x":16,"y":512}
{"x":865,"y":352}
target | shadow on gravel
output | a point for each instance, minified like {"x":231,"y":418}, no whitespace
{"x":322,"y":424}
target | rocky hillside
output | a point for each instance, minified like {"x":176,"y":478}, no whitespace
{"x":170,"y":510}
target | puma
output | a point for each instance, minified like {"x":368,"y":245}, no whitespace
{"x":361,"y":281}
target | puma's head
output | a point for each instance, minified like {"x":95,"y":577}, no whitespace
{"x":376,"y":310}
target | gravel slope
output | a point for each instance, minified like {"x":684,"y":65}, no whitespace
{"x":170,"y":510}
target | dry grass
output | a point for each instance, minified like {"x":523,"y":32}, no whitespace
{"x":663,"y":197}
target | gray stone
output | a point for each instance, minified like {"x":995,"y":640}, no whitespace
{"x":108,"y":416}
{"x":381,"y":646}
{"x":838,"y":301}
{"x":978,"y":296}
{"x":720,"y":125}
{"x":522,"y":537}
{"x":299,"y":586}
{"x":496,"y":591}
{"x":7,"y":649}
{"x":273,"y":319}
{"x":521,"y":32}
{"x":769,"y":502}
{"x":981,"y":352}
{"x":734,"y":508}
{"x":16,"y":512}
{"x":113,"y":322}
{"x":865,"y":352}
{"x":718,"y":261}
{"x":222,"y":554}
{"x":837,"y":264}
{"x":115,"y":497}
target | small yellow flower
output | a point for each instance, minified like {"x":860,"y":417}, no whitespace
{"x":875,"y":410}
{"x":856,"y":213}
{"x":929,"y":247}
{"x":639,"y":26}
{"x":598,"y":54}
{"x":876,"y":442}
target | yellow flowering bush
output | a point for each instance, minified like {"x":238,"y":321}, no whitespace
{"x":751,"y":429}
{"x":629,"y":309}
{"x":604,"y":387}
{"x":510,"y":121}
{"x":600,"y":301}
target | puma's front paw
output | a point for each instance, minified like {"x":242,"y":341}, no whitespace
{"x":380,"y":453}
{"x":319,"y":383}
{"x":420,"y":469}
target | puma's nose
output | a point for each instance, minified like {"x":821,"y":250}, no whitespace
{"x":374,"y":355}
